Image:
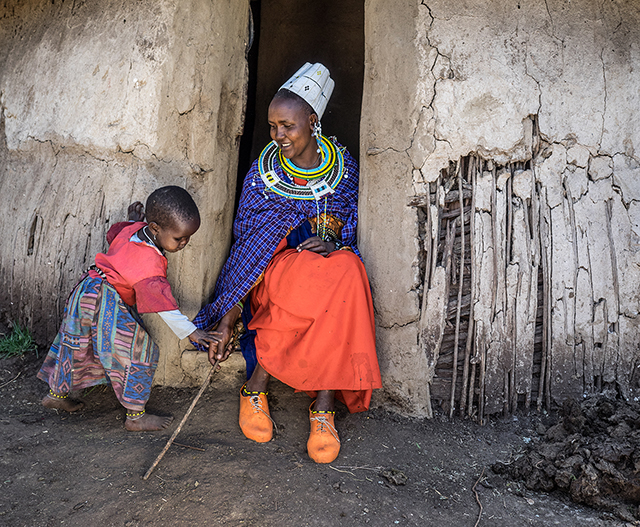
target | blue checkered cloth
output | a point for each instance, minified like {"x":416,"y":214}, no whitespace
{"x":262,"y":221}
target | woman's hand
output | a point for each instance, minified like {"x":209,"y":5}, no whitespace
{"x":204,"y":338}
{"x":315,"y":244}
{"x":215,"y":341}
{"x":135,"y":212}
{"x":221,"y":350}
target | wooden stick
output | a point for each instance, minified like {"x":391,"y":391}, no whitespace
{"x":471,"y":331}
{"x":545,"y":237}
{"x":505,"y":394}
{"x":483,"y":351}
{"x":513,"y":330}
{"x":467,"y":349}
{"x":447,"y":258}
{"x":435,"y":230}
{"x":454,"y":375}
{"x":475,"y":492}
{"x":6,"y":383}
{"x":184,"y":420}
{"x":495,"y":241}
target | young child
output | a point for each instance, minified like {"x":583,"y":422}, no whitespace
{"x":102,"y":339}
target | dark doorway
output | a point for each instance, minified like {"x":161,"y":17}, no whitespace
{"x":288,"y":33}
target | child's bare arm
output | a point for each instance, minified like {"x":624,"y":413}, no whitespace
{"x":135,"y":212}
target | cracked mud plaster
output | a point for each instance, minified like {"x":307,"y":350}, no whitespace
{"x":560,"y":218}
{"x":495,"y":66}
{"x":101,"y":104}
{"x":487,"y":70}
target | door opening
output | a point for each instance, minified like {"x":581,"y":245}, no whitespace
{"x":288,"y":33}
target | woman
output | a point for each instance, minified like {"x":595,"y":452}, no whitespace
{"x":295,"y":274}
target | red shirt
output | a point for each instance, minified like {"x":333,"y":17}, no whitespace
{"x":136,"y":270}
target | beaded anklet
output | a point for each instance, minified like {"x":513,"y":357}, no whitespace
{"x":56,"y":396}
{"x":323,"y":411}
{"x":247,"y":393}
{"x":135,"y":416}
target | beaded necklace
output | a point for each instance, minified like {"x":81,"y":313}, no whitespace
{"x":322,"y":180}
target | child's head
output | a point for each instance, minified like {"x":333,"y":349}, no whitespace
{"x":172,"y":216}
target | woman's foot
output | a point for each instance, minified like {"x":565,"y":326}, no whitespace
{"x":259,"y":381}
{"x":255,"y":420}
{"x":325,"y":401}
{"x":147,"y":423}
{"x":323,"y":445}
{"x":61,"y":402}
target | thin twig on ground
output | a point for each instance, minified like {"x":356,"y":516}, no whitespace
{"x":189,"y":446}
{"x":343,"y":471}
{"x":478,"y":498}
{"x":9,"y":382}
{"x":374,"y":469}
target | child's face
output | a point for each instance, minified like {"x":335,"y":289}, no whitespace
{"x":176,"y":236}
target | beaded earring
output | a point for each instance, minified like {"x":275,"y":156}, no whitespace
{"x":317,"y":132}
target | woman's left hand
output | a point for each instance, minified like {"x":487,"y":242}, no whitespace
{"x":315,"y":244}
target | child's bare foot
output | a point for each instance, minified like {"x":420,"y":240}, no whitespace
{"x":147,"y":423}
{"x":59,"y":403}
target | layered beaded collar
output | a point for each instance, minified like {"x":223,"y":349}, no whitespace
{"x":322,"y":180}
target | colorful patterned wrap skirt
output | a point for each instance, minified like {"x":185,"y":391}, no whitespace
{"x":101,"y":341}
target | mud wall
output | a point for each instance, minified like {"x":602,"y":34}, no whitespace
{"x":101,"y":102}
{"x":508,"y":129}
{"x":499,"y":189}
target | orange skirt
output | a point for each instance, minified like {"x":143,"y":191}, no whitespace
{"x":313,"y":316}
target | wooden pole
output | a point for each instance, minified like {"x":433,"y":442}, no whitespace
{"x":454,"y":375}
{"x":477,"y":169}
{"x":467,"y":350}
{"x":184,"y":420}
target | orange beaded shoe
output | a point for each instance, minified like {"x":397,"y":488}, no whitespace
{"x":323,"y":445}
{"x":255,"y":421}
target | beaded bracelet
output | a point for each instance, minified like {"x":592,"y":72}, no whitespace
{"x":323,"y":412}
{"x":247,"y":393}
{"x":56,"y":396}
{"x":240,"y":304}
{"x":135,"y":416}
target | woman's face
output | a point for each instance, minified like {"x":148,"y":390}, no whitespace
{"x":291,"y":128}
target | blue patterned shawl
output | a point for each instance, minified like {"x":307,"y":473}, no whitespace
{"x":262,"y":221}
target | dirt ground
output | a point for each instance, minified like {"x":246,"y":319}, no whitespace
{"x":84,"y":468}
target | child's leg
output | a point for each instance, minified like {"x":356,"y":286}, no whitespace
{"x":129,"y":358}
{"x":70,"y":363}
{"x":61,"y":401}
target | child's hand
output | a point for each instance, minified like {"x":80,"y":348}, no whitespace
{"x":135,"y":212}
